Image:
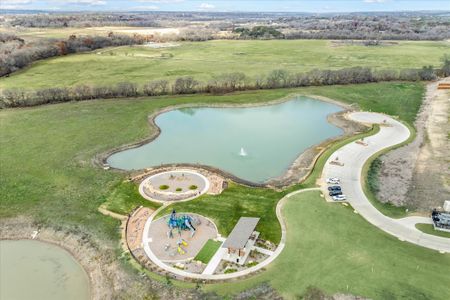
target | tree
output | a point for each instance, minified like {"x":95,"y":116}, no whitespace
{"x":184,"y":85}
{"x":227,"y":82}
{"x":277,"y":78}
{"x":126,"y":89}
{"x":155,"y":87}
{"x":427,"y":73}
{"x":445,"y":69}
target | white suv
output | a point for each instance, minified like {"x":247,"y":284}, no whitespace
{"x":339,"y":198}
{"x":333,"y":180}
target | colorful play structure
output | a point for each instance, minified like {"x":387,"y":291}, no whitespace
{"x":182,"y":222}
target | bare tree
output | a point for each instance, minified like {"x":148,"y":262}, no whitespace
{"x":184,"y":85}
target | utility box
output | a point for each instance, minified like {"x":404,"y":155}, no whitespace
{"x":447,"y":205}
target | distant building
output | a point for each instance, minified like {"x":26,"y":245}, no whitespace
{"x":241,"y":240}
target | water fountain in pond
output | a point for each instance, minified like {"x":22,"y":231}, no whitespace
{"x":242,"y":152}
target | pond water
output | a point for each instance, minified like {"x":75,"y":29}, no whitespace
{"x":36,"y":270}
{"x":254,"y":143}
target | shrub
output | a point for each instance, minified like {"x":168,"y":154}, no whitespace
{"x":193,"y":187}
{"x":178,"y":189}
{"x":231,"y":270}
{"x":251,"y":264}
{"x":372,"y":175}
{"x":164,"y":187}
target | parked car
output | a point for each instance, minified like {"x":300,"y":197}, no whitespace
{"x":335,"y":193}
{"x":334,"y":188}
{"x":333,"y":180}
{"x":339,"y":198}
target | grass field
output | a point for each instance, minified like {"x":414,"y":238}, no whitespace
{"x":47,"y":173}
{"x":66,"y":32}
{"x":344,"y":253}
{"x":47,"y":151}
{"x":428,"y":228}
{"x":125,"y":197}
{"x":140,"y":64}
{"x":208,"y":251}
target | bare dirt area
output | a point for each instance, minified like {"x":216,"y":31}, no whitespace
{"x":417,"y":175}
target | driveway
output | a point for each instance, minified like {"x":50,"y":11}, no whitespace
{"x":348,"y":168}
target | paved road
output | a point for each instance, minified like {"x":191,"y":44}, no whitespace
{"x":353,"y":156}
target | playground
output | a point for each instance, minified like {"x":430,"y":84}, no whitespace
{"x":174,"y":185}
{"x":180,"y":236}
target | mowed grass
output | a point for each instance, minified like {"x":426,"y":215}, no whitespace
{"x":47,"y":152}
{"x":125,"y":197}
{"x":235,"y":202}
{"x":140,"y":64}
{"x":330,"y":247}
{"x":208,"y":251}
{"x":47,"y":173}
{"x":428,"y":228}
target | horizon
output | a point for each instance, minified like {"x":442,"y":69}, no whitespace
{"x":268,"y":6}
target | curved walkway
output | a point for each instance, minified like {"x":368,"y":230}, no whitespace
{"x":248,"y":271}
{"x":351,"y":161}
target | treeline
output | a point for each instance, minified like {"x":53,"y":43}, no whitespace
{"x":362,"y":26}
{"x":218,"y":84}
{"x":81,"y":20}
{"x":16,"y":53}
{"x":354,"y":26}
{"x":258,"y":32}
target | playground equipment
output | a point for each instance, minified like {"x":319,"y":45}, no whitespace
{"x":183,"y":222}
{"x":181,"y":243}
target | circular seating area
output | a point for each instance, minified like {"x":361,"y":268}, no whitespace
{"x":176,"y":185}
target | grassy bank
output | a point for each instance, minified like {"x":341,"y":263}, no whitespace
{"x":344,"y":253}
{"x":47,"y":173}
{"x":47,"y":151}
{"x":428,"y":228}
{"x":140,"y":64}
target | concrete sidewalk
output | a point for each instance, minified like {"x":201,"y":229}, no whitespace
{"x":215,"y":261}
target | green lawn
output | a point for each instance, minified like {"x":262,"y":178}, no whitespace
{"x":428,"y":228}
{"x":47,"y":173}
{"x":140,"y":64}
{"x":47,"y":151}
{"x":235,"y":202}
{"x":125,"y":197}
{"x":330,"y":247}
{"x":208,"y":251}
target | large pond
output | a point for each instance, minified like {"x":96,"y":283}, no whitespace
{"x":254,"y":143}
{"x":36,"y":270}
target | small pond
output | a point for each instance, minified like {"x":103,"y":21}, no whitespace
{"x":253,"y":143}
{"x":36,"y":270}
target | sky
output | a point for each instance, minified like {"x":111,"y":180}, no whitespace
{"x":316,"y":6}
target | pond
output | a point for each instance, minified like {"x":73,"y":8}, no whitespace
{"x":36,"y":270}
{"x":252,"y":143}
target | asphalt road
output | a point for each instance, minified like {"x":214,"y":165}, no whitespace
{"x":351,"y":159}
